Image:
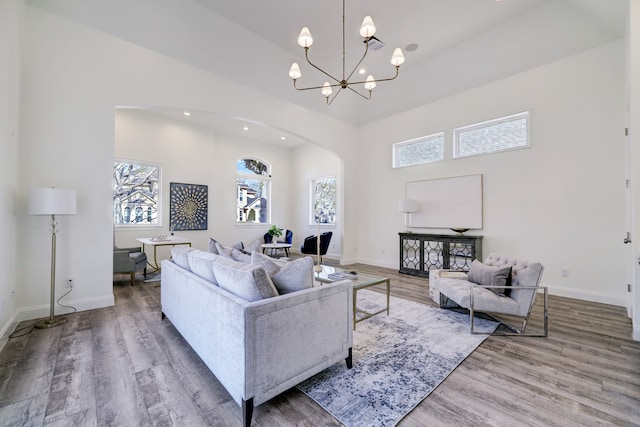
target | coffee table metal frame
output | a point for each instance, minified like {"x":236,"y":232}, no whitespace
{"x":362,"y":281}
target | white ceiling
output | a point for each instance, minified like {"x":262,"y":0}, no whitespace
{"x":461,"y":43}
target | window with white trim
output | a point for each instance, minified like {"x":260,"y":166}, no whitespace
{"x":505,"y":133}
{"x":322,"y":209}
{"x":417,"y":151}
{"x":136,"y":194}
{"x":253,"y":185}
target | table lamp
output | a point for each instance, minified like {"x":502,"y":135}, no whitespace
{"x":52,"y":201}
{"x":407,"y":206}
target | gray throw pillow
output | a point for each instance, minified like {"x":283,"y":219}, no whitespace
{"x":487,"y":275}
{"x":224,"y":251}
{"x":294,"y":276}
{"x":212,"y":246}
{"x":265,"y":262}
{"x":240,"y":256}
{"x":179,"y":255}
{"x":201,"y":264}
{"x":247,"y":281}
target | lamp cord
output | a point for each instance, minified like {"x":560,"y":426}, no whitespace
{"x":32,"y":326}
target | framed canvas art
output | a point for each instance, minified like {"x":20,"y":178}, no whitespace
{"x":188,"y":206}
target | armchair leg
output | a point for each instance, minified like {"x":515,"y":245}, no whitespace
{"x":133,"y":278}
{"x":349,"y":359}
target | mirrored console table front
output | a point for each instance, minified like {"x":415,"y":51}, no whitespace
{"x":420,"y":253}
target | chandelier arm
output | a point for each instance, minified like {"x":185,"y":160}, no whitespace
{"x":329,"y":101}
{"x":306,"y":55}
{"x":366,"y":50}
{"x":355,"y":91}
{"x":379,"y":80}
{"x":315,"y":87}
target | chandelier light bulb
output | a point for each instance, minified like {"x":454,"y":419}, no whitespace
{"x":397,"y":58}
{"x":294,"y":71}
{"x":305,"y":39}
{"x":367,"y":29}
{"x":370,"y":84}
{"x":326,"y":89}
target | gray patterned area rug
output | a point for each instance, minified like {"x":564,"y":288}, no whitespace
{"x":397,"y":361}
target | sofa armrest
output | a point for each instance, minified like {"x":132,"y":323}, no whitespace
{"x":294,"y":336}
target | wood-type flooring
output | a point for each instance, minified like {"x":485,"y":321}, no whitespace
{"x":124,"y":366}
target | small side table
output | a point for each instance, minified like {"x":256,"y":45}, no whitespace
{"x":275,"y":247}
{"x":155,"y":242}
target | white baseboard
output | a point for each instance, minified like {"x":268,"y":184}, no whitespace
{"x":636,"y":334}
{"x":36,"y":312}
{"x":8,"y":328}
{"x":586,"y":296}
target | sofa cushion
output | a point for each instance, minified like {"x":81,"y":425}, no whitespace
{"x":179,"y":255}
{"x":201,"y":264}
{"x":487,"y":275}
{"x":247,"y":281}
{"x":294,"y":276}
{"x":265,"y":262}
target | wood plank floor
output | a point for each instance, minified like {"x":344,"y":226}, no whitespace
{"x":124,"y":366}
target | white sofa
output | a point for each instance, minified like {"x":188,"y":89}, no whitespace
{"x":257,"y":349}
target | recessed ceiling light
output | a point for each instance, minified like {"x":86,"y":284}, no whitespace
{"x":283,"y":138}
{"x":362,"y":71}
{"x":186,"y":113}
{"x":245,"y":128}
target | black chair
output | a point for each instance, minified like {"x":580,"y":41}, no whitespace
{"x":310,"y":245}
{"x":288,"y":237}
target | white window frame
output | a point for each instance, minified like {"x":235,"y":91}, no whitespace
{"x":488,"y":124}
{"x":253,"y":177}
{"x":158,"y":198}
{"x":312,"y":199}
{"x":428,"y":138}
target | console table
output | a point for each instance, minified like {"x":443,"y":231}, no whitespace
{"x":421,"y":252}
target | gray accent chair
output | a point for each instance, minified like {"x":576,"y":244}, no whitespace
{"x":454,"y":290}
{"x":129,"y":260}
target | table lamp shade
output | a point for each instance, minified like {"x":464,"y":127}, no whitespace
{"x":52,"y":201}
{"x":408,"y":205}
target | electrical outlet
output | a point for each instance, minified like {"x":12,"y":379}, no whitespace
{"x":564,"y":272}
{"x":69,"y":283}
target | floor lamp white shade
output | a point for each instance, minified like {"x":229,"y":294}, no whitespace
{"x":407,"y":206}
{"x":52,"y":201}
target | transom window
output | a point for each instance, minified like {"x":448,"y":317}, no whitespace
{"x":136,"y":193}
{"x":505,"y":133}
{"x":253,"y":185}
{"x":417,"y":151}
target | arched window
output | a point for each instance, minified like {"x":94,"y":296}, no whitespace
{"x":253,"y":187}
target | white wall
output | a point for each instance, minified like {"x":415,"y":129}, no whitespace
{"x":73,"y":79}
{"x":312,"y":162}
{"x":11,"y":15}
{"x":561,"y":202}
{"x":194,"y":154}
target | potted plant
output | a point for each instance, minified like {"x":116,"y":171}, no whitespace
{"x":274,"y":232}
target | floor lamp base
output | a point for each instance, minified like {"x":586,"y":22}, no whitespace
{"x":51,"y":323}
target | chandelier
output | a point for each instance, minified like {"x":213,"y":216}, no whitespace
{"x":367,"y":30}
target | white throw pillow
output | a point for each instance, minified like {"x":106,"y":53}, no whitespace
{"x":247,"y":281}
{"x":212,"y":246}
{"x":294,"y":276}
{"x":224,"y":251}
{"x":240,"y":256}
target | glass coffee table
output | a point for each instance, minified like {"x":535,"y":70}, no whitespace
{"x":360,"y":281}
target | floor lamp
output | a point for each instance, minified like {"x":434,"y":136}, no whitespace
{"x":52,"y":201}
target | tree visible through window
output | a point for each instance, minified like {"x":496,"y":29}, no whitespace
{"x":323,"y":200}
{"x":253,"y":182}
{"x":136,"y":193}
